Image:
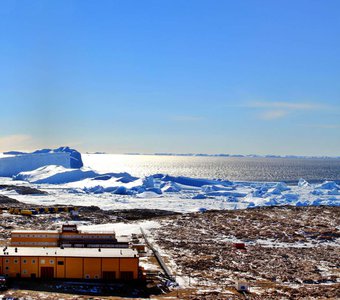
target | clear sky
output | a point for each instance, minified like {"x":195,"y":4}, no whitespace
{"x":171,"y":76}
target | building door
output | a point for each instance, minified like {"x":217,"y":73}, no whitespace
{"x":126,"y":275}
{"x":47,"y":272}
{"x":109,"y":276}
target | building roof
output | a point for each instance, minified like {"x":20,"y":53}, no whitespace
{"x":123,"y":239}
{"x":69,"y":252}
{"x":59,"y":232}
{"x":36,"y":231}
{"x":80,"y":232}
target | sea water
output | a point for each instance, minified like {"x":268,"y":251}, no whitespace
{"x":231,"y":168}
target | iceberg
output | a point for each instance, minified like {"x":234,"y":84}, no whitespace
{"x":178,"y":192}
{"x":18,"y":162}
{"x":290,"y":197}
{"x":75,"y":156}
{"x":171,"y":187}
{"x":272,"y":202}
{"x":301,"y":203}
{"x":303,"y":183}
{"x":334,"y":192}
{"x":318,"y":202}
{"x":328,"y":185}
{"x":274,"y":191}
{"x":216,"y":188}
{"x":281,"y":186}
{"x":55,"y":175}
{"x":260,"y":192}
{"x":198,"y":182}
{"x":149,"y":182}
{"x":226,"y":194}
{"x":199,"y":197}
{"x":316,"y":192}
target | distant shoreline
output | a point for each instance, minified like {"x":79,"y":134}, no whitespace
{"x":14,"y":153}
{"x":222,"y":155}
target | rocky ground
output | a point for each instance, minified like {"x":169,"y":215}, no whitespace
{"x":23,"y":190}
{"x":291,"y":253}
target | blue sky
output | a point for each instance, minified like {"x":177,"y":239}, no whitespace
{"x":171,"y":76}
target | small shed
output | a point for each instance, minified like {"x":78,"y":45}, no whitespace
{"x":240,"y":246}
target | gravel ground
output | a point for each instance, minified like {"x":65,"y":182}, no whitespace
{"x":291,"y":253}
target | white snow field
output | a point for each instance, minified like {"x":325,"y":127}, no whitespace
{"x":95,"y":185}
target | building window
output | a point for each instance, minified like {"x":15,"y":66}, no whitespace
{"x":60,"y":263}
{"x":52,"y":262}
{"x":6,"y":268}
{"x":33,"y":261}
{"x":24,"y":271}
{"x":42,"y":261}
{"x":15,"y":261}
{"x":24,"y":261}
{"x":6,"y":261}
{"x":87,"y":276}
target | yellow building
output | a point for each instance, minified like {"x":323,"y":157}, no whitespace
{"x":69,"y":263}
{"x":68,"y":236}
{"x":35,"y":238}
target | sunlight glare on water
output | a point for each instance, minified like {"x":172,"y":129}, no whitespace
{"x":231,"y":168}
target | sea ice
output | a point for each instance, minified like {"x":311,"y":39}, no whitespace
{"x":123,"y":191}
{"x":328,"y":185}
{"x":303,"y":183}
{"x":55,"y":175}
{"x":171,"y":187}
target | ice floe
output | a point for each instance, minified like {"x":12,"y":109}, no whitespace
{"x":228,"y":194}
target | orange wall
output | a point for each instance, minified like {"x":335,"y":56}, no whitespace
{"x":60,"y":273}
{"x":92,"y":268}
{"x":13,"y":265}
{"x":129,"y":264}
{"x":29,"y":265}
{"x":110,"y":264}
{"x":74,"y":267}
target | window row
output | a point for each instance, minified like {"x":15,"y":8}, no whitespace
{"x":33,"y":261}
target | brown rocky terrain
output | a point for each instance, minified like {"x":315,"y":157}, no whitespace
{"x":23,"y":190}
{"x":291,"y":253}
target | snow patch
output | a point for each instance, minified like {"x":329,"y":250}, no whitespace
{"x":55,"y":175}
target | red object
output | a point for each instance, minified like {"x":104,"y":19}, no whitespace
{"x":239,"y":245}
